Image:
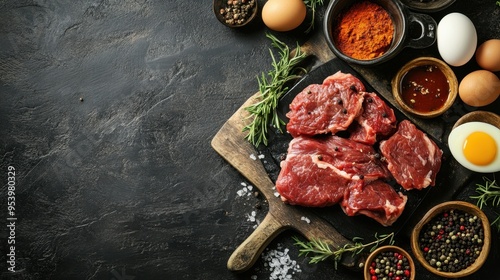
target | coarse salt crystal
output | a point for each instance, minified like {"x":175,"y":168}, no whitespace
{"x":276,"y":194}
{"x":261,"y":156}
{"x":305,"y":219}
{"x":252,"y":156}
{"x":246,"y":190}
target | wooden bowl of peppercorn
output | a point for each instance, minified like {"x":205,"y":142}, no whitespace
{"x":235,"y":13}
{"x":389,"y":262}
{"x":452,"y":240}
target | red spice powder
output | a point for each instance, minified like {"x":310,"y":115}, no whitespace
{"x":364,"y":31}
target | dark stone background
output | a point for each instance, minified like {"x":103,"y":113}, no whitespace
{"x":107,"y":111}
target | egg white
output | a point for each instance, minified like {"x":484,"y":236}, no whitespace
{"x":457,"y":138}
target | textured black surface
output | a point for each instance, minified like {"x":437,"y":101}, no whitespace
{"x":107,"y":110}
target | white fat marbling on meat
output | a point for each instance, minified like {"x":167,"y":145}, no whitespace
{"x":422,"y":160}
{"x":389,"y":207}
{"x":325,"y":165}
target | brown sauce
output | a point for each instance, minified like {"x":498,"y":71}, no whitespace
{"x":425,"y":88}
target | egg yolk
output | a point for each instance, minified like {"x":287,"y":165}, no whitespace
{"x":480,"y":148}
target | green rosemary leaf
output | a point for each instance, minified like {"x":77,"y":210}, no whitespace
{"x":322,"y":250}
{"x":271,"y":87}
{"x":312,"y":5}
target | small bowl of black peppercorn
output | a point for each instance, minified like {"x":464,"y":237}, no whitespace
{"x":389,"y":262}
{"x":452,"y":240}
{"x":235,"y":13}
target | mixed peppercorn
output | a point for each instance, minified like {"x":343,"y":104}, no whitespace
{"x":452,"y":240}
{"x":237,"y":12}
{"x":390,"y":265}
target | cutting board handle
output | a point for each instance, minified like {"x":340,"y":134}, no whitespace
{"x":245,"y":256}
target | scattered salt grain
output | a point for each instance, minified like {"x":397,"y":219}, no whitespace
{"x":276,"y":194}
{"x":261,"y":156}
{"x":252,"y":156}
{"x":252,"y":217}
{"x":245,"y":191}
{"x":279,"y":263}
{"x":305,"y":219}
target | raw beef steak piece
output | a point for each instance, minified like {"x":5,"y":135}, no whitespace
{"x":377,"y":200}
{"x":377,"y":119}
{"x":412,"y":158}
{"x":329,"y":107}
{"x":317,"y":171}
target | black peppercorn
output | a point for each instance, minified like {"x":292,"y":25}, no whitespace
{"x":454,"y":235}
{"x":390,"y":265}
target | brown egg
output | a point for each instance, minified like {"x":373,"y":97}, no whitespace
{"x":479,"y":88}
{"x":283,"y":15}
{"x":488,"y":55}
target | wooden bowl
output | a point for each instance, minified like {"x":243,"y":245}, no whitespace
{"x":391,"y":248}
{"x":479,"y":116}
{"x":221,"y":4}
{"x":424,"y":61}
{"x":438,"y":209}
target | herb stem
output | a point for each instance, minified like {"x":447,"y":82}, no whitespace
{"x":322,"y":251}
{"x":271,"y":87}
{"x":312,"y":4}
{"x":488,"y":193}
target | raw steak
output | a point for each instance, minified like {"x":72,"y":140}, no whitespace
{"x":412,"y":158}
{"x":377,"y":119}
{"x":329,"y":107}
{"x":317,"y":171}
{"x":377,"y":200}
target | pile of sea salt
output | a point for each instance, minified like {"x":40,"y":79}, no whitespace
{"x":279,"y":263}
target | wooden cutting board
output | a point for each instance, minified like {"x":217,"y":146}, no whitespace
{"x":231,"y":144}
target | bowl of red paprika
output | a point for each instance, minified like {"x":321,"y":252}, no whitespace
{"x":371,"y":32}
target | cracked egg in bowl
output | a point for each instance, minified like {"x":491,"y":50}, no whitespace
{"x":476,"y":146}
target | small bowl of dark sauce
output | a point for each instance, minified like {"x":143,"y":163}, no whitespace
{"x":425,"y":87}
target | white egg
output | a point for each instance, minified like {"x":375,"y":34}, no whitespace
{"x":476,"y":151}
{"x":456,"y":39}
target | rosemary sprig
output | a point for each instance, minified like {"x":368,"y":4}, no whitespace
{"x":322,"y":250}
{"x":271,"y":87}
{"x":312,"y":4}
{"x":488,"y":193}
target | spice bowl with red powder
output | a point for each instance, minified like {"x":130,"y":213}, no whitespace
{"x":425,"y":87}
{"x":372,"y":32}
{"x":452,"y":239}
{"x":389,"y":262}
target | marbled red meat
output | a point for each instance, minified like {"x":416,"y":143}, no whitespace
{"x":326,"y":108}
{"x":412,"y":158}
{"x":376,"y":120}
{"x":377,"y":200}
{"x":317,"y":171}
